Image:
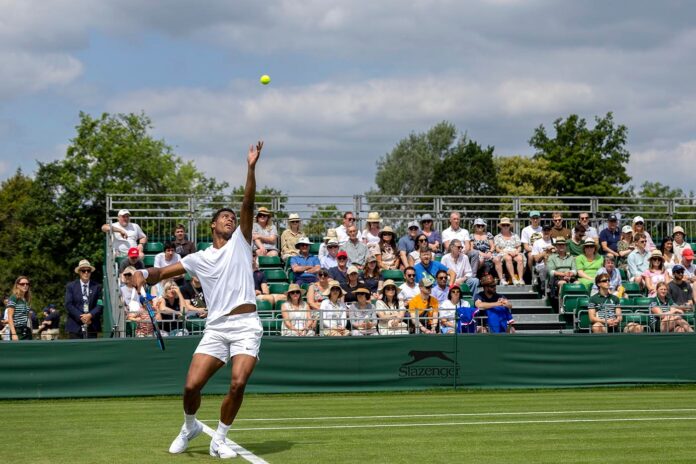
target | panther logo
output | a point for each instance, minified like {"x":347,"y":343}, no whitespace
{"x":421,"y":355}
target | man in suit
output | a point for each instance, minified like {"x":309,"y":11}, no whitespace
{"x":81,"y":297}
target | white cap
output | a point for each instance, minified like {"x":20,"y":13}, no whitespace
{"x":638,"y":219}
{"x":123,"y":212}
{"x":626,"y":230}
{"x":479,"y":222}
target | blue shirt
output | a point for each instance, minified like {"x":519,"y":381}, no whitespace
{"x":431,"y":270}
{"x":407,"y":244}
{"x":300,"y":260}
{"x":612,"y":238}
{"x":638,"y":263}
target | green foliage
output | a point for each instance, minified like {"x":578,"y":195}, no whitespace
{"x":467,"y":170}
{"x":525,"y":176}
{"x":591,"y":162}
{"x":264,"y":197}
{"x":659,"y":190}
{"x":325,"y":217}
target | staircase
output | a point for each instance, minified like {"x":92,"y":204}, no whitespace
{"x":533,"y":315}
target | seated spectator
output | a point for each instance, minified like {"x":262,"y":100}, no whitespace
{"x":624,"y":247}
{"x":440,"y":290}
{"x":559,"y":230}
{"x":639,"y":259}
{"x":167,"y":257}
{"x":687,"y":262}
{"x":482,"y":243}
{"x":135,"y":311}
{"x":609,"y":237}
{"x":409,"y":288}
{"x":449,"y":308}
{"x":680,"y":290}
{"x":667,"y":250}
{"x":370,"y":235}
{"x":264,"y":233}
{"x":134,"y":259}
{"x":194,"y":299}
{"x":433,"y":236}
{"x":315,"y":292}
{"x":612,"y":272}
{"x":576,"y":245}
{"x":455,"y":231}
{"x":261,"y":288}
{"x":390,"y":311}
{"x":342,"y":230}
{"x":671,"y":317}
{"x":561,"y":270}
{"x":655,"y":273}
{"x":639,"y":228}
{"x":421,"y":245}
{"x":457,"y":261}
{"x":355,"y":248}
{"x":529,"y":235}
{"x":353,"y":283}
{"x":182,"y":245}
{"x":49,"y":329}
{"x":588,"y":263}
{"x":331,"y":258}
{"x":169,"y":306}
{"x":541,"y":250}
{"x":297,"y":317}
{"x":290,"y":237}
{"x":429,"y":268}
{"x":333,"y":312}
{"x":4,"y":322}
{"x":304,"y":265}
{"x":423,"y":309}
{"x":590,"y":231}
{"x":605,"y":310}
{"x":126,"y":234}
{"x":362,"y":315}
{"x":330,"y":235}
{"x":508,"y":250}
{"x":372,"y":276}
{"x":497,"y":307}
{"x":407,"y":243}
{"x":679,"y":242}
{"x":340,"y":272}
{"x":387,"y":250}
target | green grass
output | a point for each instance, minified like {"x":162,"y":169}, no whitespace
{"x":126,"y":430}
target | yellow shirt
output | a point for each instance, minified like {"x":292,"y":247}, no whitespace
{"x":418,"y":307}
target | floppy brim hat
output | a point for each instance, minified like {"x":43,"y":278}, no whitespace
{"x":84,"y":264}
{"x":333,"y":284}
{"x":264,"y":210}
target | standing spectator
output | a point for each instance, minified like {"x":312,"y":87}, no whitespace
{"x":624,"y":247}
{"x":167,"y":257}
{"x":680,"y":290}
{"x":577,"y":243}
{"x":667,"y":250}
{"x":370,"y":235}
{"x":297,"y":318}
{"x":304,"y":265}
{"x":638,"y":259}
{"x":588,"y":263}
{"x":342,"y":230}
{"x":387,"y":251}
{"x":455,"y":231}
{"x":330,"y":235}
{"x":429,"y":268}
{"x":440,"y":290}
{"x":333,"y":312}
{"x":82,"y":304}
{"x":638,"y":228}
{"x":126,"y":234}
{"x":679,"y":242}
{"x":4,"y":323}
{"x":182,"y":245}
{"x":362,"y":315}
{"x":407,"y":243}
{"x":340,"y":272}
{"x":50,"y":326}
{"x":194,"y":299}
{"x":433,"y":236}
{"x":541,"y":250}
{"x":423,"y":309}
{"x":372,"y":276}
{"x":390,"y":311}
{"x":457,"y":261}
{"x":264,"y":233}
{"x":559,"y":230}
{"x":655,"y":273}
{"x":609,"y":237}
{"x":290,"y":237}
{"x":561,"y":269}
{"x":590,"y":231}
{"x":331,"y":258}
{"x":356,"y":249}
{"x":612,"y":272}
{"x":507,"y":247}
{"x":409,"y":288}
{"x":18,"y":307}
{"x":497,"y":307}
{"x":133,"y":259}
{"x":482,"y":242}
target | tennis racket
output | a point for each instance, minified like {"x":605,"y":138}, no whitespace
{"x":144,"y":300}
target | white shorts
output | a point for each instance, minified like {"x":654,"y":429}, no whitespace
{"x":239,"y":334}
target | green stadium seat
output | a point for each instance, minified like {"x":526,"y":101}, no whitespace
{"x":642,"y":302}
{"x":272,"y":325}
{"x":624,"y":274}
{"x":466,"y":291}
{"x":396,"y":275}
{"x":278,"y":287}
{"x":120,"y":259}
{"x":195,"y":326}
{"x":275,"y":275}
{"x":581,"y":314}
{"x":149,"y":260}
{"x":632,"y":289}
{"x":263,"y":306}
{"x":203,"y":245}
{"x":570,"y":293}
{"x":153,"y":247}
{"x":270,"y":262}
{"x":314,"y":248}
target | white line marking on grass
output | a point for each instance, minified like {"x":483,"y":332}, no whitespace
{"x":447,"y":424}
{"x":242,"y":452}
{"x":467,"y":414}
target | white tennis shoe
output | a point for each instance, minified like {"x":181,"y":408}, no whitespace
{"x":220,"y":449}
{"x":181,"y":441}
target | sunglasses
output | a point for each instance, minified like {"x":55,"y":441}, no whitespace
{"x":85,"y":271}
{"x":24,"y":284}
{"x":422,"y":240}
{"x":127,"y":274}
{"x":323,"y":275}
{"x":262,"y":215}
{"x":442,"y":278}
{"x":639,"y":223}
{"x":331,"y":246}
{"x":583,"y":218}
{"x":426,"y":221}
{"x":459,"y":247}
{"x":489,"y":286}
{"x":413,"y":228}
{"x":603,"y":281}
{"x":294,"y":292}
{"x":342,"y":258}
{"x":455,"y":290}
{"x":410,"y":275}
{"x":557,"y":220}
{"x":350,"y":219}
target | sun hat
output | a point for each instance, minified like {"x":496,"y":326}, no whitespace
{"x":504,"y":221}
{"x":332,"y":242}
{"x":427,"y":281}
{"x":333,"y":284}
{"x":479,"y":222}
{"x":656,"y":254}
{"x":303,"y":241}
{"x":386,"y":230}
{"x":373,"y":216}
{"x":85,"y":264}
{"x":360,"y":290}
{"x":426,"y":217}
{"x":264,"y":210}
{"x":678,"y":230}
{"x":389,"y":283}
{"x":295,"y":288}
{"x":370,"y":258}
{"x":413,"y":224}
{"x":589,"y":242}
{"x":352,"y":269}
{"x":294,"y":217}
{"x":331,"y":233}
{"x":560,"y":241}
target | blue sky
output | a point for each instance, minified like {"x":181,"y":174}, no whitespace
{"x":349,"y":79}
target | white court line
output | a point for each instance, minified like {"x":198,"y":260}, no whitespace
{"x":447,"y":424}
{"x":467,"y":414}
{"x":242,"y":452}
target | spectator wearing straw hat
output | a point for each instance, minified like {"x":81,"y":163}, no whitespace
{"x":297,"y":317}
{"x":388,"y":251}
{"x":330,"y":235}
{"x":264,"y":233}
{"x":342,"y":230}
{"x":126,"y":234}
{"x":81,"y":302}
{"x":333,"y":312}
{"x":588,"y":263}
{"x":290,"y":237}
{"x":362,"y":314}
{"x":356,"y":249}
{"x":353,"y":283}
{"x":655,"y":273}
{"x":679,"y":242}
{"x":304,"y":265}
{"x":508,"y":251}
{"x":390,"y":311}
{"x":370,"y":235}
{"x":433,"y":236}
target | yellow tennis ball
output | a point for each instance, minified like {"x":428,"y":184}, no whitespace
{"x":265,"y":79}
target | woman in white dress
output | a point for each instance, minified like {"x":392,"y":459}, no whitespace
{"x":390,"y":311}
{"x":297,"y":316}
{"x":333,"y":312}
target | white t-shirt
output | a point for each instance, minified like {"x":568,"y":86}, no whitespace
{"x":121,"y":245}
{"x":461,"y":267}
{"x":541,"y":245}
{"x":342,"y":235}
{"x":527,"y":234}
{"x":449,"y":234}
{"x":591,"y":232}
{"x":333,"y":316}
{"x":406,"y":292}
{"x":160,"y":260}
{"x":226,"y":276}
{"x":448,"y":311}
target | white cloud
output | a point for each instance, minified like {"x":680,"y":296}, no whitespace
{"x":672,"y":166}
{"x":25,"y":73}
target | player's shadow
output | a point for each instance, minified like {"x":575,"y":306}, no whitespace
{"x":262,"y":448}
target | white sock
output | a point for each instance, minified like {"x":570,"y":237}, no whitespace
{"x":221,"y":432}
{"x":190,"y":421}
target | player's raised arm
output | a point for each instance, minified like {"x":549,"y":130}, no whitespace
{"x":154,"y":275}
{"x":246,"y":221}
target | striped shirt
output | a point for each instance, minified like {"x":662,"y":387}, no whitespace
{"x":21,"y":311}
{"x":604,"y":305}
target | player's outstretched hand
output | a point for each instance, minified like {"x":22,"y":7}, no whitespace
{"x":254,"y":153}
{"x":138,"y":280}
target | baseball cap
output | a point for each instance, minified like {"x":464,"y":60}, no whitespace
{"x":546,"y":227}
{"x":133,"y":252}
{"x":413,"y":224}
{"x":612,"y":217}
{"x":427,"y":281}
{"x":627,"y":230}
{"x":534,"y":214}
{"x":560,"y":241}
{"x":687,"y":253}
{"x":678,"y":268}
{"x":341,"y":254}
{"x":123,"y":212}
{"x":638,"y":219}
{"x":678,"y":230}
{"x":352,"y":269}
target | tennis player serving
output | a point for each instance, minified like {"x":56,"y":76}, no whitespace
{"x":233,"y":330}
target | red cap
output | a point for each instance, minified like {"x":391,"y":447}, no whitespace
{"x":342,"y":254}
{"x":688,"y":253}
{"x":133,"y":252}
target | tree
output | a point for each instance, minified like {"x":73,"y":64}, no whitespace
{"x":591,"y":162}
{"x":466,"y":170}
{"x":524,"y":176}
{"x":325,"y":217}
